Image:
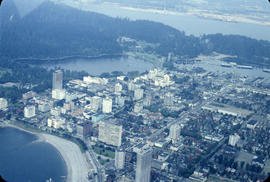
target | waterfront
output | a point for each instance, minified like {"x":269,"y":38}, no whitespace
{"x":191,"y":24}
{"x":96,"y":66}
{"x":38,"y":157}
{"x":214,"y":64}
{"x":22,"y":159}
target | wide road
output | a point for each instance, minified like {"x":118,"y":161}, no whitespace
{"x":96,"y":165}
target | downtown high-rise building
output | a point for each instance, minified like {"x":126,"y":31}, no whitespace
{"x":138,"y":94}
{"x":96,"y":103}
{"x":118,"y":88}
{"x":107,"y":105}
{"x":143,"y":165}
{"x":110,"y":133}
{"x":57,"y":80}
{"x":175,"y":130}
{"x":233,"y":139}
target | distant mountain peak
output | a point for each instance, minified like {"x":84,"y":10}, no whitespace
{"x":25,"y":7}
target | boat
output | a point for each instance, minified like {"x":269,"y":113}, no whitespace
{"x":49,"y":180}
{"x":226,"y":65}
{"x":244,"y":67}
{"x":266,"y":70}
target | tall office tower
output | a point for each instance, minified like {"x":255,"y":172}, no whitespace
{"x":96,"y":103}
{"x":107,"y":105}
{"x":110,"y":133}
{"x":57,"y":80}
{"x":118,"y":88}
{"x":174,"y":132}
{"x":233,"y":139}
{"x":143,"y":165}
{"x":138,"y":94}
{"x":119,"y":159}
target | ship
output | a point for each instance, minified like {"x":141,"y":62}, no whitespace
{"x":266,"y":70}
{"x":245,"y":67}
{"x":226,"y":65}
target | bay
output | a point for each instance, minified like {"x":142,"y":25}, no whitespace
{"x":191,"y":24}
{"x":24,"y":159}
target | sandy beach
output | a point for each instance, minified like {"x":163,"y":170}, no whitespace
{"x":77,"y":166}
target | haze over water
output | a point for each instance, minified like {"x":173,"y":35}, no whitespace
{"x":188,"y":23}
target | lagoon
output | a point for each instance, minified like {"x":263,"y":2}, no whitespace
{"x":96,"y":66}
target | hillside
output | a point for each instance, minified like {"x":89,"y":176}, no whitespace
{"x":54,"y":30}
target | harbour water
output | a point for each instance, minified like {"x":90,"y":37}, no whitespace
{"x":125,"y":64}
{"x":189,"y":23}
{"x":216,"y":66}
{"x":24,"y":160}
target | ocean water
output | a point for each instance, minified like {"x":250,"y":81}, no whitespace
{"x":22,"y":159}
{"x":189,"y":23}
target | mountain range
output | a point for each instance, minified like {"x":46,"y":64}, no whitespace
{"x":54,"y":30}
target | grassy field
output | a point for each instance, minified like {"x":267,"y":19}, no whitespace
{"x":104,"y":152}
{"x":102,"y":161}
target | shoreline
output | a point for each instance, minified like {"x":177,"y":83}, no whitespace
{"x":65,"y":58}
{"x":112,"y":10}
{"x":77,"y":166}
{"x":234,"y":18}
{"x":75,"y":161}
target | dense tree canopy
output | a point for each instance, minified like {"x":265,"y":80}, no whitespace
{"x":54,"y":30}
